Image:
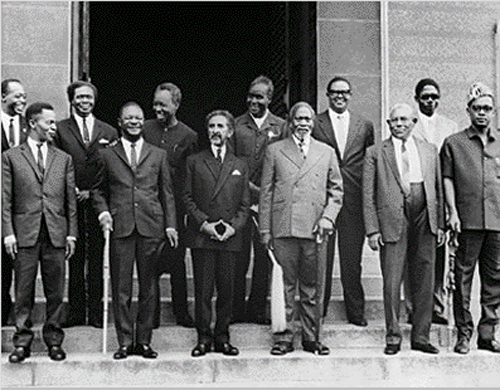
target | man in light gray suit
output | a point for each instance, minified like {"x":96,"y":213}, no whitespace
{"x":301,"y":196}
{"x":403,"y":212}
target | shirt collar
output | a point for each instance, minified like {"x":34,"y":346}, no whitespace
{"x":34,"y":144}
{"x":260,"y":121}
{"x":223,"y":149}
{"x":344,"y":115}
{"x":307,"y":140}
{"x":472,"y":132}
{"x":128,"y":144}
{"x":6,"y":119}
{"x":398,"y":142}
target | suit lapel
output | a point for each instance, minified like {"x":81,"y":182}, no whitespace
{"x":73,"y":127}
{"x":327,"y":129}
{"x":225,"y":171}
{"x":120,"y":151}
{"x":26,"y":151}
{"x":352,"y":134}
{"x":145,"y":151}
{"x":390,"y":155}
{"x":50,"y":158}
{"x":424,"y":159}
{"x":313,"y":156}
{"x":96,"y":132}
{"x":211,"y":163}
{"x":292,"y":152}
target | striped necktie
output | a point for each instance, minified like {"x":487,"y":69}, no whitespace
{"x":86,"y":135}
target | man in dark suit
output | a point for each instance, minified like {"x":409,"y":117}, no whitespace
{"x":14,"y":132}
{"x":471,"y":172}
{"x":39,"y":224}
{"x":404,"y":218}
{"x":179,"y":140}
{"x":254,"y":130}
{"x":81,"y":136}
{"x":133,"y":198}
{"x":350,"y":135}
{"x":301,"y":196}
{"x":217,"y":198}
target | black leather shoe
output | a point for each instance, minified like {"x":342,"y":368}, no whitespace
{"x":201,"y":349}
{"x":122,"y":353}
{"x":282,"y":348}
{"x":19,"y":354}
{"x":239,"y":320}
{"x":261,"y":320}
{"x":145,"y":351}
{"x":70,"y":322}
{"x":358,"y":322}
{"x":392,"y":349}
{"x":315,"y":347}
{"x":489,"y":345}
{"x":226,"y":349}
{"x":57,"y":353}
{"x":185,"y":321}
{"x":439,"y":319}
{"x":462,"y":346}
{"x":427,"y":348}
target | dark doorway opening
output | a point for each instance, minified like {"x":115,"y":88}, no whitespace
{"x":212,"y":51}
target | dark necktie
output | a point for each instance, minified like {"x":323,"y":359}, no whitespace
{"x":218,"y":155}
{"x":302,"y":148}
{"x":405,"y":168}
{"x":12,"y":137}
{"x":86,"y":136}
{"x":133,"y":156}
{"x":40,"y":157}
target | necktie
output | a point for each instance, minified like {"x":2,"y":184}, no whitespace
{"x":218,"y":155}
{"x":405,"y":168}
{"x":302,"y":148}
{"x":341,"y":134}
{"x":12,"y":137}
{"x":133,"y":156}
{"x":86,"y":136}
{"x":40,"y":157}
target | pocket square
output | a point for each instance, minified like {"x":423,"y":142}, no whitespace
{"x":103,"y":141}
{"x":236,"y":173}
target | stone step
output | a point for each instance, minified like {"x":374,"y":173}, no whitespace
{"x":363,"y":367}
{"x":337,"y":335}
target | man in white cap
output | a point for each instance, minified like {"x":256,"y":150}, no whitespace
{"x":471,"y":175}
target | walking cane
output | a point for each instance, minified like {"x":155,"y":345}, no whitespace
{"x":450,"y":283}
{"x":105,"y":275}
{"x":321,"y":256}
{"x":278,"y":315}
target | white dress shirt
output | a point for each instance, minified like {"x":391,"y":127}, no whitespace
{"x":89,"y":121}
{"x":223,"y":150}
{"x":429,"y":127}
{"x":413,"y":157}
{"x":305,"y":145}
{"x":127,"y":145}
{"x":34,"y":149}
{"x":340,"y":123}
{"x":6,"y":125}
{"x":260,"y":121}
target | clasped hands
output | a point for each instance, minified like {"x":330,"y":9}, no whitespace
{"x":210,"y":229}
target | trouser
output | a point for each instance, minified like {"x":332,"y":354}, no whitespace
{"x":52,"y":265}
{"x":213,"y":268}
{"x":7,"y":273}
{"x":123,"y":253}
{"x":482,"y":247}
{"x":416,"y":249}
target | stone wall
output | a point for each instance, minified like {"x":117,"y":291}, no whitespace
{"x":36,"y":49}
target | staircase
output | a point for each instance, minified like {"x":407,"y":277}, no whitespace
{"x":356,"y":357}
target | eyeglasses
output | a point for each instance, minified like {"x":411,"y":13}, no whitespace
{"x":339,"y":92}
{"x":432,"y":96}
{"x":486,"y":109}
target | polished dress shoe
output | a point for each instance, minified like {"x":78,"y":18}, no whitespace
{"x":145,"y":351}
{"x":70,"y":322}
{"x":282,"y":348}
{"x":186,"y":321}
{"x":358,"y":322}
{"x":57,"y":353}
{"x":439,"y":319}
{"x":425,"y":347}
{"x":315,"y":347}
{"x":226,"y":349}
{"x":122,"y":353}
{"x":201,"y":349}
{"x":392,"y":349}
{"x":489,"y":345}
{"x":19,"y":354}
{"x":462,"y":346}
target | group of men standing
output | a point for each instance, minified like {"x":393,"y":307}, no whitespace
{"x":291,"y":187}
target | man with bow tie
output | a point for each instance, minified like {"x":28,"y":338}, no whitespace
{"x":39,"y":225}
{"x":14,"y":132}
{"x":217,"y":198}
{"x":82,"y":135}
{"x":134,"y":199}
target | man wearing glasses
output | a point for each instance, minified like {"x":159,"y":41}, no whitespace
{"x":470,"y":163}
{"x":350,"y":135}
{"x":433,"y":128}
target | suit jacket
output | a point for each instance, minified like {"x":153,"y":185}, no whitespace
{"x":444,"y":128}
{"x":69,"y":139}
{"x":27,"y":196}
{"x":296,"y":192}
{"x":359,"y":138}
{"x":214,"y":192}
{"x":383,"y":196}
{"x":180,"y":141}
{"x":249,"y":142}
{"x":143,"y":200}
{"x":23,"y":126}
